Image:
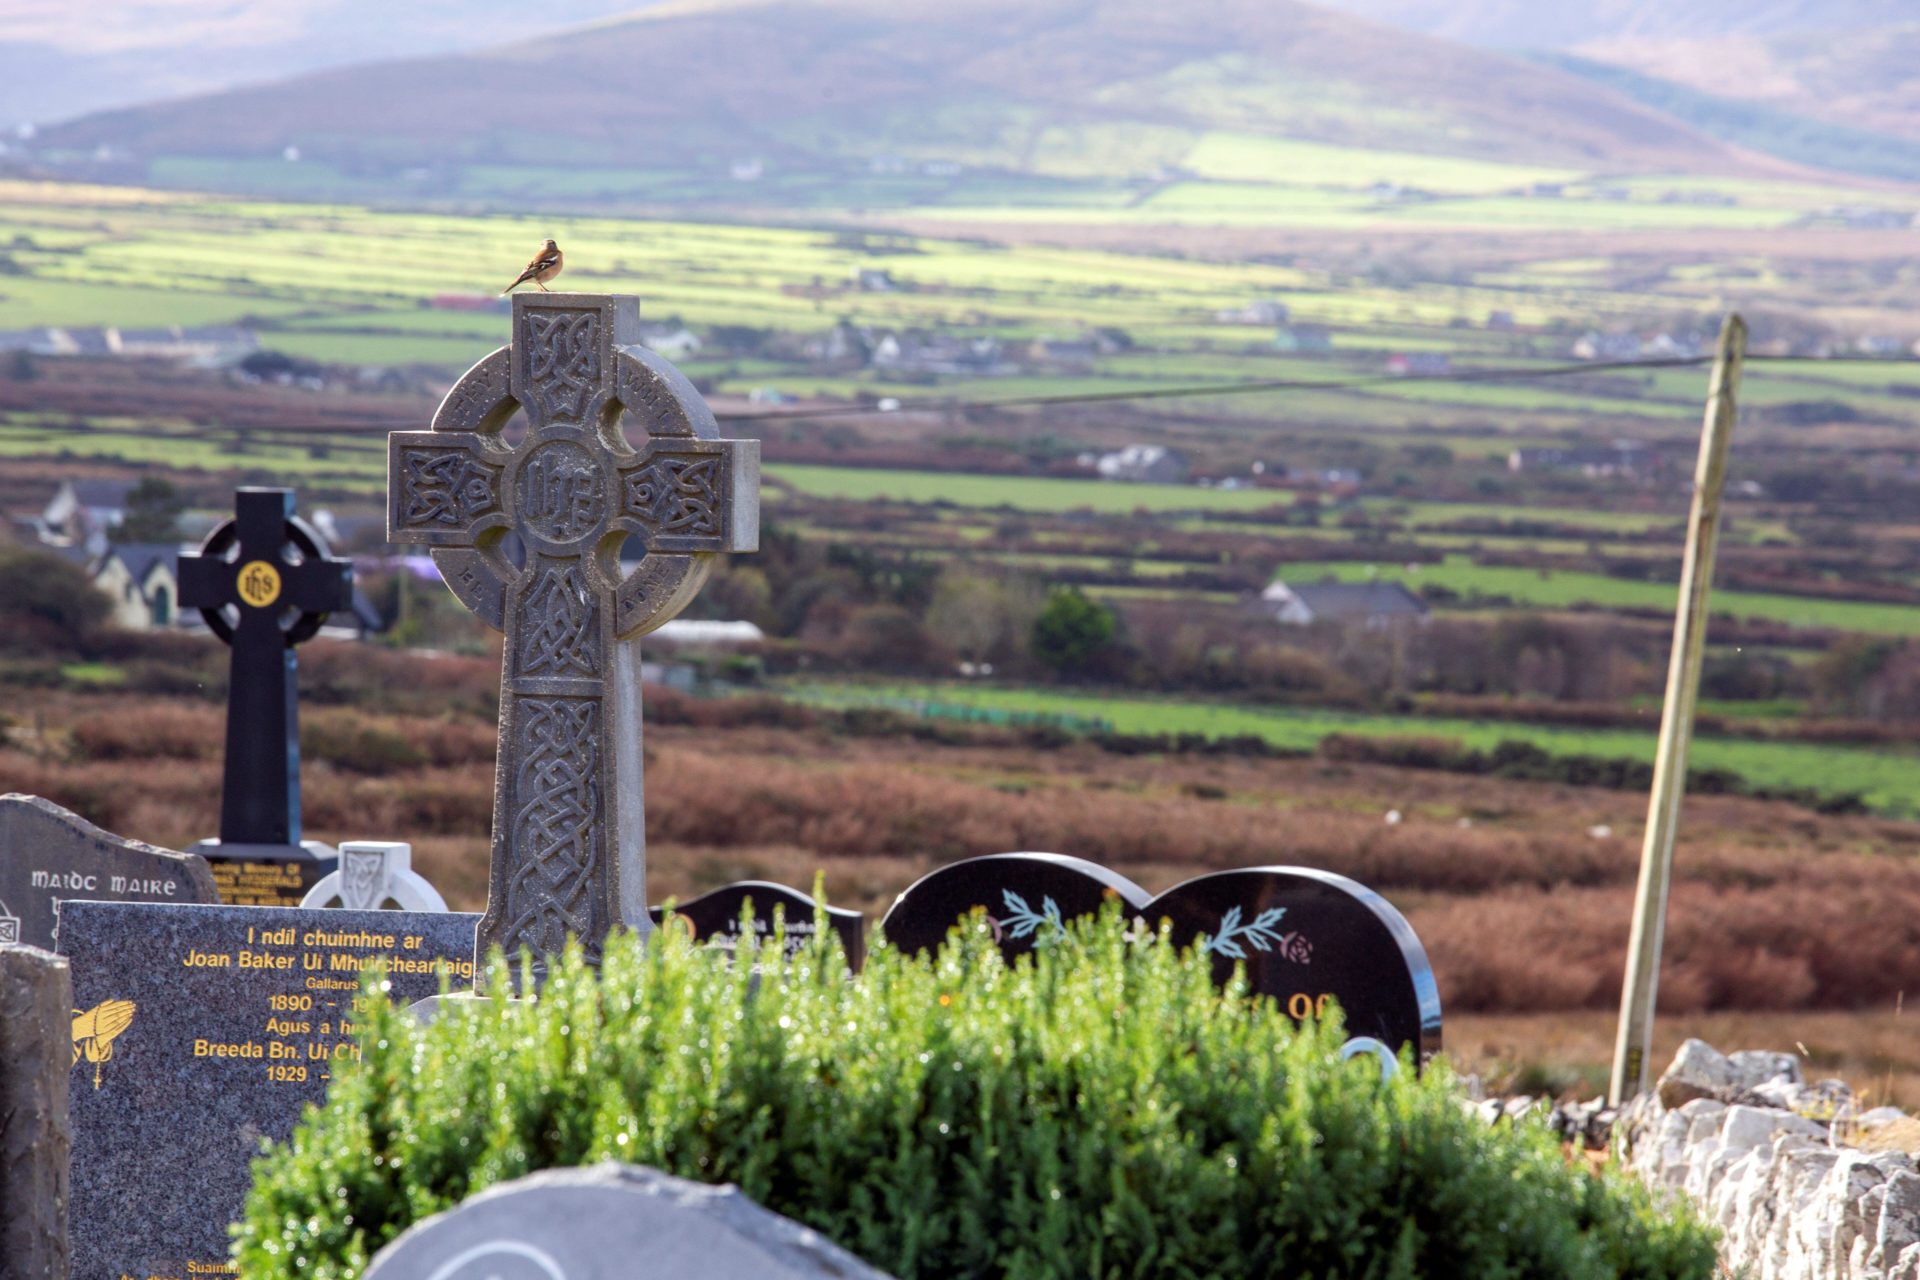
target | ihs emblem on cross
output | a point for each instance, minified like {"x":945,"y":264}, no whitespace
{"x":568,"y":828}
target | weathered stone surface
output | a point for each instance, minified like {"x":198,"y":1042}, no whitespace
{"x":1792,"y":1205}
{"x":612,"y":1222}
{"x":1755,"y":1067}
{"x":372,"y":873}
{"x":569,"y":835}
{"x":36,"y":1034}
{"x":1698,"y":1071}
{"x":48,"y":855}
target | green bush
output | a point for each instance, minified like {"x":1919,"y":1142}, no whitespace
{"x":1100,"y":1111}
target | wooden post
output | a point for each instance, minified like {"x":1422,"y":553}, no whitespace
{"x":1676,"y":721}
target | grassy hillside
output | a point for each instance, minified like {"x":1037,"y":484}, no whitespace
{"x":850,"y":102}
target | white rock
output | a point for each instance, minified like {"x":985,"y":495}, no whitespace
{"x":1754,"y":1067}
{"x":1698,"y":1070}
{"x":1878,"y":1117}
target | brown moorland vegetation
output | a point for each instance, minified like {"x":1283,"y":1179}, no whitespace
{"x":1520,"y":891}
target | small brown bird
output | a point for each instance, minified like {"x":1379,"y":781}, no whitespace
{"x":545,"y":266}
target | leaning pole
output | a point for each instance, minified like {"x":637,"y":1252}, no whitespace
{"x":1635,"y":1043}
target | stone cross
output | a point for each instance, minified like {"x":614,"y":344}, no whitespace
{"x":568,"y":825}
{"x":372,"y":871}
{"x":264,"y":583}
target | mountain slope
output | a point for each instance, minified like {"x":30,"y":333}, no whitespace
{"x":1530,"y":24}
{"x":1062,"y":89}
{"x":1867,"y":79}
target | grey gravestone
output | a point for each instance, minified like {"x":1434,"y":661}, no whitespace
{"x":1028,"y":899}
{"x":371,"y":874}
{"x":568,"y":822}
{"x":713,"y":919}
{"x":1310,"y":938}
{"x":48,"y":854}
{"x":613,"y":1222}
{"x":198,"y":1032}
{"x":36,"y":1019}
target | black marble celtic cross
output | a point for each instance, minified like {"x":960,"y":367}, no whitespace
{"x":264,"y":583}
{"x":569,"y":853}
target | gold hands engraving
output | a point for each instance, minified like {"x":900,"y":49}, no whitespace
{"x":94,"y":1032}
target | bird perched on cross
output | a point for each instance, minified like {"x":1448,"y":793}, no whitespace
{"x":545,"y":266}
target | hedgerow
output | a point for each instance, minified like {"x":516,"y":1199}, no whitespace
{"x":1101,"y":1110}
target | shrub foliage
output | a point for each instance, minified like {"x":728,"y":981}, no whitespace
{"x":1101,"y":1110}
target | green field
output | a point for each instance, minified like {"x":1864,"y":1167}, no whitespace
{"x":1561,"y":589}
{"x":1889,"y":781}
{"x":1021,"y":493}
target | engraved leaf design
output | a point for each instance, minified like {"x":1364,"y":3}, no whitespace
{"x":1261,"y":933}
{"x":1022,"y":920}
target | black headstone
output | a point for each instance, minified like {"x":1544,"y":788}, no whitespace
{"x":1028,"y":898}
{"x":1308,"y":938}
{"x":48,"y":854}
{"x":264,"y":583}
{"x":714,"y":918}
{"x":200,"y":1031}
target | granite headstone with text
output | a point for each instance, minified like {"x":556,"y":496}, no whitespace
{"x":1028,"y":899}
{"x":48,"y":854}
{"x":199,"y":1031}
{"x":1311,"y":938}
{"x":264,"y":583}
{"x":714,"y":919}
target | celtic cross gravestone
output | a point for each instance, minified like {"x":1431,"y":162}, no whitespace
{"x":568,"y":826}
{"x":264,"y":583}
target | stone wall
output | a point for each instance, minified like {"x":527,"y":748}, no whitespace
{"x":1787,"y":1170}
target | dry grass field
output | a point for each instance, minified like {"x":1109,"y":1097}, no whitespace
{"x":1787,"y":927}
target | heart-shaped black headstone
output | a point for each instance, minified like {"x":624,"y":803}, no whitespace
{"x":714,"y":918}
{"x":1028,"y":897}
{"x":1310,"y":938}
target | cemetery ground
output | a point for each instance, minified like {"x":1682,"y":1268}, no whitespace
{"x":1786,"y":923}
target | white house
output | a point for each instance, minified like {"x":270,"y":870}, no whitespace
{"x":143,"y":581}
{"x":1373,"y":605}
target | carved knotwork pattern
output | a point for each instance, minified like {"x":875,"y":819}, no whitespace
{"x":677,"y":495}
{"x":563,"y":362}
{"x":559,"y":492}
{"x":555,"y":826}
{"x":446,"y":487}
{"x":560,"y":624}
{"x":363,"y":875}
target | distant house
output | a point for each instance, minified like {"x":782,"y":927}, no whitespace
{"x":1621,"y":458}
{"x":675,"y":342}
{"x":1373,"y":605}
{"x":697,"y":633}
{"x":1419,"y":364}
{"x":1595,"y":345}
{"x":82,"y":513}
{"x":1303,"y":339}
{"x":215,"y":344}
{"x":874,"y":280}
{"x":1261,"y":311}
{"x":1501,"y":321}
{"x":143,"y":581}
{"x":938,"y":354}
{"x":845,"y":342}
{"x":1143,"y":464}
